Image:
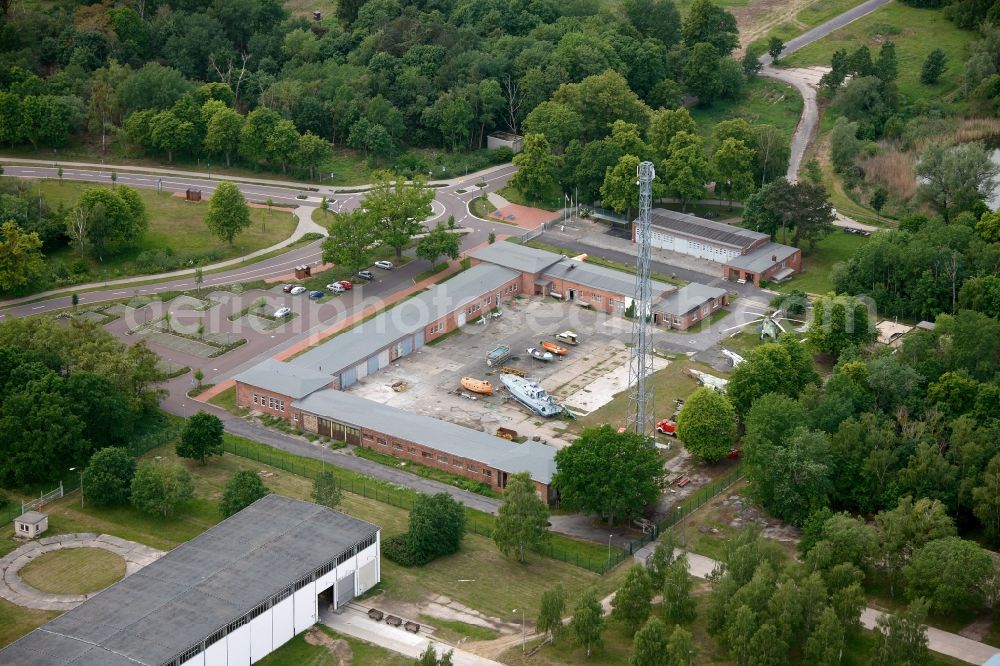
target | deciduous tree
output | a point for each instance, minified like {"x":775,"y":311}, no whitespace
{"x":201,"y":437}
{"x":437,"y":525}
{"x":21,"y":260}
{"x":536,"y":174}
{"x":160,"y":487}
{"x":649,"y":646}
{"x":228,"y":212}
{"x":934,"y":65}
{"x":732,"y":164}
{"x":838,"y":323}
{"x":326,"y":490}
{"x":707,"y":22}
{"x":901,"y":638}
{"x":950,"y":574}
{"x":107,"y":480}
{"x":679,"y":606}
{"x":631,"y":603}
{"x":707,"y":424}
{"x":439,"y":242}
{"x":550,"y":613}
{"x":953,"y":178}
{"x":619,"y":191}
{"x":587,"y":622}
{"x":399,"y":206}
{"x":680,"y":648}
{"x":222,"y":136}
{"x":350,"y":240}
{"x":242,"y":489}
{"x":522,"y":519}
{"x":825,"y":646}
{"x":607,"y":472}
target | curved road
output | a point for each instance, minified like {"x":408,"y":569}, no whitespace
{"x":810,"y":112}
{"x":448,"y":201}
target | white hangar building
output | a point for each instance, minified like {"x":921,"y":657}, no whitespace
{"x":228,"y":597}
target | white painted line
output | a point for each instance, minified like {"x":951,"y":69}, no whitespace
{"x":38,"y":307}
{"x":117,"y":292}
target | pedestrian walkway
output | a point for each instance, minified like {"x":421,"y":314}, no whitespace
{"x":354,"y":623}
{"x":942,"y":642}
{"x":16,"y":591}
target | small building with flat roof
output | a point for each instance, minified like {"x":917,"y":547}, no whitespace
{"x":30,"y":524}
{"x":689,"y":305}
{"x":231,"y":595}
{"x":271,"y":386}
{"x":426,"y":440}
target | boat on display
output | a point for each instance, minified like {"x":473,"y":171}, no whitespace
{"x":553,"y":347}
{"x":529,"y":393}
{"x":539,"y":354}
{"x":477,"y":385}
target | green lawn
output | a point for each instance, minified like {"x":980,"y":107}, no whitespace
{"x":818,"y":12}
{"x":763,"y":102}
{"x":176,"y":227}
{"x":551,"y":200}
{"x":226,"y":400}
{"x":16,"y":621}
{"x":916,"y":32}
{"x":817,"y":264}
{"x":481,"y":208}
{"x":454,"y":631}
{"x":74,"y":571}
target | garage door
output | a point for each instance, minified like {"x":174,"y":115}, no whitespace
{"x":345,"y":589}
{"x":361,"y":370}
{"x":383,"y":359}
{"x":373,"y":365}
{"x":418,"y":340}
{"x":405,"y":346}
{"x":348,"y":378}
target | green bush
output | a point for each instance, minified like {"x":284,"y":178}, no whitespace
{"x":399,"y":549}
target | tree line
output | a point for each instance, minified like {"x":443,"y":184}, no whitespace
{"x":380,"y":77}
{"x":68,"y":390}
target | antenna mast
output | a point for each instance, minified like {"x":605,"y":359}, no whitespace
{"x":640,"y":417}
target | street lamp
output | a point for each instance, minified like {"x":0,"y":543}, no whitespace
{"x":80,"y":470}
{"x":609,"y":549}
{"x":523,"y":635}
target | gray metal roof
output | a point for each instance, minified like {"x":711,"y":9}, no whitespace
{"x":601,"y":277}
{"x":533,"y":457}
{"x":367,"y":339}
{"x":713,"y":232}
{"x":519,"y":257}
{"x":31,"y":517}
{"x":687,"y":298}
{"x":272,"y":375}
{"x":153,"y":615}
{"x":762,"y":258}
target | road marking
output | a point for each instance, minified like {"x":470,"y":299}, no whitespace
{"x":117,"y":292}
{"x":38,"y":307}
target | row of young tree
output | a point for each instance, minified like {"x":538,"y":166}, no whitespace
{"x":379,"y":77}
{"x":599,"y":162}
{"x":68,"y":390}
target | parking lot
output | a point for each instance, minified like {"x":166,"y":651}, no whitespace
{"x":588,"y":376}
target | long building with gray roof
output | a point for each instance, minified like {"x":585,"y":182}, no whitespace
{"x":231,"y":595}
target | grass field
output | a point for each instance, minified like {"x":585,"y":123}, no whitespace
{"x":175,"y":226}
{"x":916,"y":32}
{"x":481,"y":208}
{"x":74,"y":571}
{"x":16,"y":621}
{"x":811,"y":16}
{"x":817,"y":264}
{"x":763,"y":102}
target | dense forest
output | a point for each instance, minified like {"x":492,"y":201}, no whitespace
{"x":246,"y":81}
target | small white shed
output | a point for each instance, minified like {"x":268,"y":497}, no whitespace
{"x":31,"y":524}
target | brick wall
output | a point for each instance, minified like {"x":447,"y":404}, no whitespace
{"x":267,"y":402}
{"x":473,"y":310}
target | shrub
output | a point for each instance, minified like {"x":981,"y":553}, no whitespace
{"x":243,"y":489}
{"x":108,"y":477}
{"x":399,"y":549}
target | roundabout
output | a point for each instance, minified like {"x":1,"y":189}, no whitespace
{"x":60,"y":572}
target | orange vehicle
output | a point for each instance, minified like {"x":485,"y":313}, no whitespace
{"x":667,"y":427}
{"x":477,"y":385}
{"x":553,"y":347}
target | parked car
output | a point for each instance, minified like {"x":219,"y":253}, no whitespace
{"x":345,"y":284}
{"x":384,"y":265}
{"x":287,"y":288}
{"x":365,"y":275}
{"x":295,"y":291}
{"x":335,"y":287}
{"x":316,"y":295}
{"x":282,"y":312}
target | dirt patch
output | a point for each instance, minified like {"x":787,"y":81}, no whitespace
{"x":740,"y":511}
{"x":339,"y":649}
{"x":979,"y":628}
{"x":759,"y":17}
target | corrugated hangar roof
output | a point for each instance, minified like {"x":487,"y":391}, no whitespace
{"x":532,"y":457}
{"x":165,"y":608}
{"x":697,"y":227}
{"x":408,"y":317}
{"x":519,"y":257}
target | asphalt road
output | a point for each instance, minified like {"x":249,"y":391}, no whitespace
{"x":448,"y":201}
{"x":810,"y":111}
